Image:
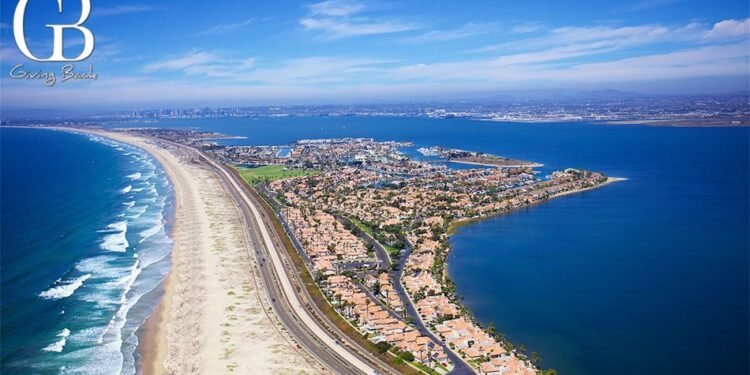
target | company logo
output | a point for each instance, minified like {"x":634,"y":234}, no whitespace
{"x":57,"y":32}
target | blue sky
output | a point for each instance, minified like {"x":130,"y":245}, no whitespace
{"x":184,"y":53}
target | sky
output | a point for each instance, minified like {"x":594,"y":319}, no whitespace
{"x":239,"y":52}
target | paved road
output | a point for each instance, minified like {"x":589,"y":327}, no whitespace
{"x":381,"y":254}
{"x":460,"y":367}
{"x":283,"y":285}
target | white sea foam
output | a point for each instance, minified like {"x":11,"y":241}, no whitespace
{"x":58,"y":345}
{"x":136,"y":212}
{"x":118,"y":320}
{"x":116,"y":241}
{"x":64,"y":289}
{"x":151,"y":231}
{"x":120,"y":282}
{"x":119,"y":226}
{"x":95,"y":265}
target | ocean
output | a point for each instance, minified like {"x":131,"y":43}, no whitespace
{"x":84,"y":247}
{"x":644,"y":276}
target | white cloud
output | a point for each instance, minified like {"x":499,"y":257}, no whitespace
{"x":336,"y":28}
{"x":647,"y":4}
{"x":344,"y":19}
{"x":622,"y":37}
{"x":119,"y":10}
{"x":468,"y":30}
{"x":729,"y":29}
{"x":314,"y":70}
{"x":561,"y":57}
{"x":526,"y":27}
{"x":299,"y":71}
{"x":336,"y":8}
{"x":11,"y":55}
{"x":707,"y":61}
{"x":223,"y":28}
{"x":194,"y":58}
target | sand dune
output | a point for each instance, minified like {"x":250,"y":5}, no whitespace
{"x":215,"y":317}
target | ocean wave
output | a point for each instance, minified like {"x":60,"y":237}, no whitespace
{"x":65,"y":290}
{"x":151,"y":231}
{"x":136,"y":212}
{"x":118,"y":282}
{"x":114,"y":327}
{"x":119,"y":226}
{"x":96,"y":264}
{"x":151,"y":174}
{"x":58,"y":345}
{"x":116,"y":241}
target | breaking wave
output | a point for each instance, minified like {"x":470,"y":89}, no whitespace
{"x":64,"y":289}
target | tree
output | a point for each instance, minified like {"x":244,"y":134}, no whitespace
{"x":535,"y":358}
{"x":382,"y":347}
{"x":406,"y":356}
{"x":491,"y":329}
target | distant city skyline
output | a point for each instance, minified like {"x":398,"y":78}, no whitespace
{"x":237,"y":53}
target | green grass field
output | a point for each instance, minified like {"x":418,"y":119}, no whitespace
{"x":270,"y":173}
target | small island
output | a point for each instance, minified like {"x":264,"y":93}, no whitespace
{"x":474,"y":158}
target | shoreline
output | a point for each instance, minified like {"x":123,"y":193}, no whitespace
{"x":530,"y":164}
{"x":455,"y":225}
{"x":460,"y":223}
{"x":150,"y":334}
{"x":211,"y":316}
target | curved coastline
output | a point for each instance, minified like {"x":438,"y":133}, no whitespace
{"x":211,"y":316}
{"x":151,"y":338}
{"x":455,"y":225}
{"x":460,"y":223}
{"x":152,"y":262}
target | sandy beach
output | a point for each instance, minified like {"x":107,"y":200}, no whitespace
{"x":214,"y":317}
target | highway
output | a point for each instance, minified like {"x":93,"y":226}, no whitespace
{"x":287,"y":295}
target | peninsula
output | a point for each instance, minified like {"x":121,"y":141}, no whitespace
{"x":371,"y":227}
{"x":330,"y":259}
